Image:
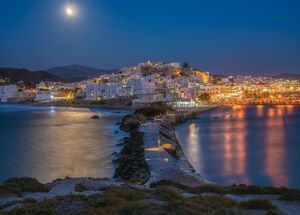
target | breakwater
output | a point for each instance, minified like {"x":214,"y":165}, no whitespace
{"x":152,"y":151}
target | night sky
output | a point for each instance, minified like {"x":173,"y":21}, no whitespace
{"x":224,"y":37}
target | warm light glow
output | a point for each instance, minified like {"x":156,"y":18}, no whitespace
{"x":70,"y":10}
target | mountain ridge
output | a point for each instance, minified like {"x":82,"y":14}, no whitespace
{"x":79,"y":72}
{"x":28,"y":77}
{"x":288,"y":76}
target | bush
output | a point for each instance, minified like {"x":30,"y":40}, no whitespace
{"x":290,"y":197}
{"x":242,"y":189}
{"x":80,"y":188}
{"x":20,"y":185}
{"x":166,"y":182}
{"x":100,"y":102}
{"x":167,"y":193}
{"x":134,"y":207}
{"x":273,"y":212}
{"x":127,"y":193}
{"x":263,"y":204}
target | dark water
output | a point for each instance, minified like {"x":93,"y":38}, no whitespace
{"x":49,"y":143}
{"x":246,"y":144}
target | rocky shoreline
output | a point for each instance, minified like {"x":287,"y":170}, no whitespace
{"x":141,"y":159}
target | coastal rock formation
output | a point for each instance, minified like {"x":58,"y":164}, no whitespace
{"x":132,"y":122}
{"x":131,"y":160}
{"x":95,"y":117}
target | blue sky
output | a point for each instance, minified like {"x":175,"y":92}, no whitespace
{"x":224,"y":37}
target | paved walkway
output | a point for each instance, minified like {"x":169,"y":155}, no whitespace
{"x":161,"y":164}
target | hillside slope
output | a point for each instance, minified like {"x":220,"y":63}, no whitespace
{"x":16,"y":75}
{"x":77,"y":72}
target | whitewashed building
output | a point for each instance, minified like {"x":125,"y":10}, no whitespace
{"x":7,"y":91}
{"x":44,"y":96}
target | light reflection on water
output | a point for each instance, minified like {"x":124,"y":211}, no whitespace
{"x":245,"y":144}
{"x":54,"y":143}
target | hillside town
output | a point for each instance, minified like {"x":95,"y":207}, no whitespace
{"x":176,"y":84}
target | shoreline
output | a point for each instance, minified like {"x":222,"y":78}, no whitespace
{"x":71,"y":105}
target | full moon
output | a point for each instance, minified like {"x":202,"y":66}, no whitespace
{"x":70,"y":10}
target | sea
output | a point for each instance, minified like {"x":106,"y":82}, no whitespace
{"x":245,"y":145}
{"x":48,"y":143}
{"x":234,"y":144}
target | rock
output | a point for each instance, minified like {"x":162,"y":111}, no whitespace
{"x":131,"y":160}
{"x":132,"y":122}
{"x":95,"y":117}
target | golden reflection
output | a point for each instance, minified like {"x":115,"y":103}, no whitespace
{"x":69,"y":143}
{"x":290,"y":109}
{"x":259,"y":110}
{"x":271,"y":112}
{"x":228,"y":156}
{"x":235,"y":160}
{"x":194,"y":147}
{"x":275,"y":150}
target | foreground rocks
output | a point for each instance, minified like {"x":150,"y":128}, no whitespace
{"x":132,"y":122}
{"x":131,"y":160}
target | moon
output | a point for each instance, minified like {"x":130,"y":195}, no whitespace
{"x":70,"y":10}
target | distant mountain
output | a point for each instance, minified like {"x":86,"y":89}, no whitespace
{"x":16,"y":75}
{"x":287,"y":76}
{"x":77,"y":72}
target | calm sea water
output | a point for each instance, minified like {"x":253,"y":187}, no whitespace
{"x":246,"y":144}
{"x":49,"y":143}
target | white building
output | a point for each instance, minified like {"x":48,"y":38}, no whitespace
{"x":103,"y":91}
{"x":7,"y":91}
{"x":142,"y":86}
{"x":147,"y":99}
{"x":44,"y":96}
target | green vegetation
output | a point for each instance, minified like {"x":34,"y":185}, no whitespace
{"x":100,"y":102}
{"x":80,"y":188}
{"x":290,"y":197}
{"x":163,"y":197}
{"x":243,"y":189}
{"x":20,"y":185}
{"x":262,"y":204}
{"x":128,"y":200}
{"x":165,"y":182}
{"x":167,"y":193}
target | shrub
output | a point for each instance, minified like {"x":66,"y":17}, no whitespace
{"x":263,"y":204}
{"x":167,"y":193}
{"x":80,"y":188}
{"x":166,"y":182}
{"x":19,"y":185}
{"x":290,"y":197}
{"x":242,"y":189}
{"x":134,"y":207}
{"x":126,"y":193}
{"x":273,"y":212}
